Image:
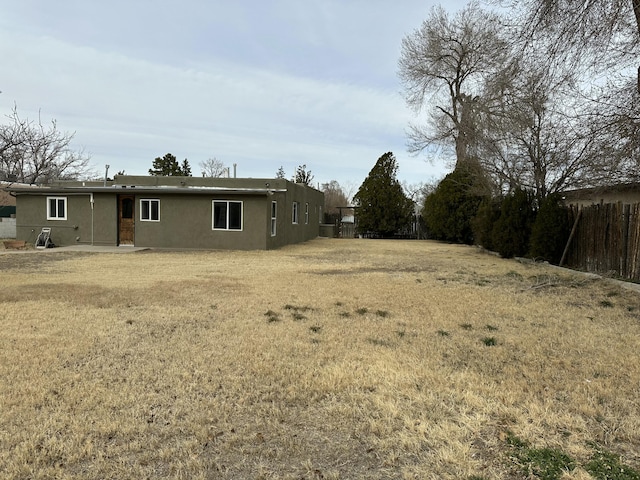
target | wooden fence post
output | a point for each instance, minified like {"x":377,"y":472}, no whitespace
{"x":571,"y":235}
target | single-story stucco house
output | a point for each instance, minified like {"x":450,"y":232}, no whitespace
{"x":171,"y":212}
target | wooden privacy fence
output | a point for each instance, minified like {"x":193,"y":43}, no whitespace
{"x":606,"y":240}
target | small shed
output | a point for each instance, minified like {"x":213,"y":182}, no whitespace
{"x":7,"y":213}
{"x":7,"y":202}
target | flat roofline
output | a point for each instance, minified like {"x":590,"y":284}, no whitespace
{"x":147,"y":189}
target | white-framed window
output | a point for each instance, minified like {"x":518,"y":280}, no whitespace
{"x":306,"y":213}
{"x":56,"y":208}
{"x":274,"y":217}
{"x":294,"y":212}
{"x":149,"y":210}
{"x":227,"y":215}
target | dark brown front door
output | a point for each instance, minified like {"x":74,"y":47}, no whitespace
{"x":126,"y":219}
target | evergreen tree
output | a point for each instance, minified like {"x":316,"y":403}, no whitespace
{"x":384,"y":209}
{"x":551,"y":230}
{"x":303,"y":175}
{"x":512,"y":231}
{"x":185,"y":169}
{"x":280,"y":173}
{"x":168,"y":166}
{"x":165,"y":166}
{"x":482,"y":224}
{"x":448,"y":211}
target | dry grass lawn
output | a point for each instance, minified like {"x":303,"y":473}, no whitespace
{"x":334,"y":359}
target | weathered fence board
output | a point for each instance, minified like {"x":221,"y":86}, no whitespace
{"x":607,"y":240}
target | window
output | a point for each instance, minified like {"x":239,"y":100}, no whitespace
{"x":227,"y":215}
{"x":56,"y":208}
{"x":306,"y":213}
{"x":294,"y":214}
{"x":149,"y":210}
{"x":126,"y":208}
{"x":274,"y":208}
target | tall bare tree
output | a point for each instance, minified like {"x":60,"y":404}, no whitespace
{"x":334,"y":197}
{"x":532,"y":135}
{"x":520,"y":105}
{"x":571,"y":97}
{"x":443,"y":65}
{"x":213,"y":167}
{"x":35,"y":153}
{"x":605,"y":33}
{"x":615,"y":115}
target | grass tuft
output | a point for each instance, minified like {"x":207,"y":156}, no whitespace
{"x":545,"y":463}
{"x":272,"y":316}
{"x":607,"y":466}
{"x":513,"y":274}
{"x":296,"y":308}
{"x":379,"y":342}
{"x":542,"y":463}
{"x":490,"y":341}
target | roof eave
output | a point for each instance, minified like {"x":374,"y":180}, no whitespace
{"x":131,"y":189}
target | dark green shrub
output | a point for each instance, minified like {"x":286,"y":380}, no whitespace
{"x":512,"y":231}
{"x":449,"y":209}
{"x":550,"y":230}
{"x":482,"y":224}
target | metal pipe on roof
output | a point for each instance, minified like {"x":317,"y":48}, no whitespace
{"x":92,"y":201}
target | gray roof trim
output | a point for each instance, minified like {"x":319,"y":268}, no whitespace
{"x":148,"y":190}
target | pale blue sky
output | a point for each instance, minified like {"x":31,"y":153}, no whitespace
{"x":256,"y":83}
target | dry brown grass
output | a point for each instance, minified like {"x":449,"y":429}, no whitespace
{"x":331,"y":359}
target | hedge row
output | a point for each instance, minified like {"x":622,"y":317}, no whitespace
{"x":513,"y":225}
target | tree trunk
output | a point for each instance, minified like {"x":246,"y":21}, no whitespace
{"x":636,"y":10}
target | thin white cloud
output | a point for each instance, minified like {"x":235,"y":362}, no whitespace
{"x":258,"y":108}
